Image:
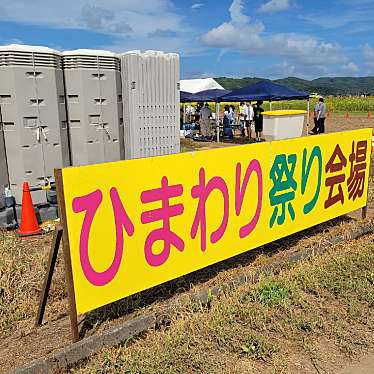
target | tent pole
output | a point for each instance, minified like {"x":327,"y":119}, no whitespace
{"x":217,"y":121}
{"x":307,"y":120}
{"x":184,"y":113}
{"x":270,"y":103}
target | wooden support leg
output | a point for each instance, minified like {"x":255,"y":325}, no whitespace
{"x":364,"y":212}
{"x":67,"y":258}
{"x":48,"y":277}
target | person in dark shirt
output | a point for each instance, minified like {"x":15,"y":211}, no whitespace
{"x":259,"y":119}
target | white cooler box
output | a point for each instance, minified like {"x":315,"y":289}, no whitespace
{"x":283,"y":124}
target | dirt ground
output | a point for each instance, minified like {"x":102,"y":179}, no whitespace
{"x":23,"y":264}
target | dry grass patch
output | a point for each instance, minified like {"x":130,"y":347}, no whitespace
{"x":257,"y":327}
{"x":23,"y":265}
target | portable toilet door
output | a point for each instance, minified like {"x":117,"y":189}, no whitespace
{"x":110,"y":94}
{"x":94,"y":106}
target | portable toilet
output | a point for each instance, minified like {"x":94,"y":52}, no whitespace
{"x":150,"y":86}
{"x":94,"y":103}
{"x":33,"y":115}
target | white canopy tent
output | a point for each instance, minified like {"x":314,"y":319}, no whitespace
{"x":198,"y":85}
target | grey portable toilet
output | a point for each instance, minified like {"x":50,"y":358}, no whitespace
{"x":33,"y":116}
{"x":150,"y":85}
{"x":94,"y":102}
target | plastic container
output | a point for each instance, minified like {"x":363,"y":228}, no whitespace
{"x":283,"y":124}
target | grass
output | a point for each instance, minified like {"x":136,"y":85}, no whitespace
{"x":330,"y":298}
{"x":272,"y":293}
{"x":22,"y":269}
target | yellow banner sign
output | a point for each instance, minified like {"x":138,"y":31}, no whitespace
{"x":138,"y":223}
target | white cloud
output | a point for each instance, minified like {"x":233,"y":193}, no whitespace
{"x":368,"y":53}
{"x":286,"y":69}
{"x":163,"y":33}
{"x":243,"y":34}
{"x":107,"y":16}
{"x":133,"y":24}
{"x":97,"y":18}
{"x":351,"y":68}
{"x":237,"y":13}
{"x":197,"y":6}
{"x":273,"y":6}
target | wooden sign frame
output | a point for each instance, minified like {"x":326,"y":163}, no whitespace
{"x":61,"y":232}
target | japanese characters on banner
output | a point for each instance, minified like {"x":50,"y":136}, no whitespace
{"x":138,"y":223}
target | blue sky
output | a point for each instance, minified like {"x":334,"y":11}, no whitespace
{"x":234,"y":38}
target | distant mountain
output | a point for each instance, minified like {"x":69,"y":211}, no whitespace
{"x":337,"y":86}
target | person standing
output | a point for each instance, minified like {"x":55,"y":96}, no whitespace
{"x":205,"y":126}
{"x":242,"y":118}
{"x":322,"y":110}
{"x":315,"y":117}
{"x":251,"y":115}
{"x":259,"y":120}
{"x":232,"y":114}
{"x":246,"y":115}
{"x":227,"y":121}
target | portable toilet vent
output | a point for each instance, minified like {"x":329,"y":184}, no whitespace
{"x":33,"y":116}
{"x":94,"y":102}
{"x":150,"y":85}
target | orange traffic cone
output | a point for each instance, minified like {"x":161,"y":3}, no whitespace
{"x":346,"y":116}
{"x":370,"y":115}
{"x":29,"y":223}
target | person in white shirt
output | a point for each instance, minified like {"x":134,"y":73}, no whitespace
{"x":190,"y":111}
{"x":205,"y":125}
{"x":249,"y":120}
{"x":232,"y":114}
{"x":242,"y":118}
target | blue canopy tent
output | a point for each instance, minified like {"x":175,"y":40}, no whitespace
{"x":185,"y":97}
{"x":269,"y":91}
{"x":264,"y":90}
{"x":209,"y":95}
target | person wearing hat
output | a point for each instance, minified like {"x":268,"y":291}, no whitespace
{"x":259,"y":120}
